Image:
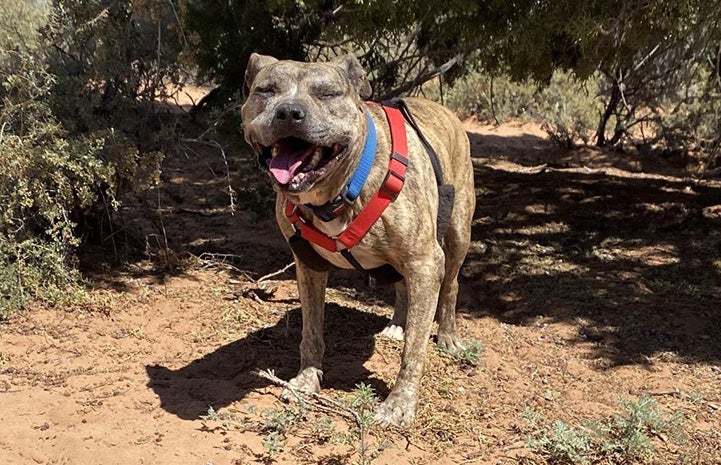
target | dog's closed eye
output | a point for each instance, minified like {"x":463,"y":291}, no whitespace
{"x":265,"y":90}
{"x":327,"y":92}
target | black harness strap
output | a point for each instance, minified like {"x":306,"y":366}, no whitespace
{"x":446,"y":192}
{"x":432,"y":155}
{"x":383,"y":275}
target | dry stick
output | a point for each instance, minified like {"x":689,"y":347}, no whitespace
{"x":221,"y":257}
{"x":217,"y":145}
{"x":215,"y":259}
{"x":322,"y":403}
{"x":178,"y":22}
{"x":493,"y":105}
{"x":275,"y":273}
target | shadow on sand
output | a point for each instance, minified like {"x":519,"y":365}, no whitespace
{"x":227,"y":374}
{"x":633,"y":262}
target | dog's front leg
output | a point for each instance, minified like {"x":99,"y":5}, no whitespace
{"x":423,"y":280}
{"x":311,"y":287}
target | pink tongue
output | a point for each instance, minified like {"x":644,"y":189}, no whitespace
{"x":286,"y":164}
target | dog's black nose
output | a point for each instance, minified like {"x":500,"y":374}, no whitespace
{"x":290,"y":112}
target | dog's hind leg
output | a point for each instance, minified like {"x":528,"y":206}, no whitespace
{"x":395,"y":328}
{"x":311,"y":287}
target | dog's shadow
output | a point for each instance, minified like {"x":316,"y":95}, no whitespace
{"x":228,"y":374}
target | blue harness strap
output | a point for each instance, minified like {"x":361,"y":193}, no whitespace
{"x":358,"y":179}
{"x":330,"y":210}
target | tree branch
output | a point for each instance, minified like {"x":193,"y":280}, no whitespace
{"x":405,"y":87}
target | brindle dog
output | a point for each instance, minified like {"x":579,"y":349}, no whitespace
{"x":307,"y":123}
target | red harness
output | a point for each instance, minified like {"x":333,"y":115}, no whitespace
{"x":388,"y":192}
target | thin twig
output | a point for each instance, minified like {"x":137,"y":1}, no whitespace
{"x":493,"y":105}
{"x":712,"y":173}
{"x":275,"y":273}
{"x":423,"y":77}
{"x":313,"y":398}
{"x":319,"y":401}
{"x":217,"y":145}
{"x":180,"y":24}
{"x":211,"y":259}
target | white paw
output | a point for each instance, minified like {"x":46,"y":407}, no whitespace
{"x":392,"y":332}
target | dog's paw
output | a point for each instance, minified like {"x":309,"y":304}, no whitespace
{"x":397,"y":410}
{"x":307,"y":381}
{"x":450,"y":343}
{"x":392,"y":332}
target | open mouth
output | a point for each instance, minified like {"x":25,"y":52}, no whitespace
{"x":295,"y":163}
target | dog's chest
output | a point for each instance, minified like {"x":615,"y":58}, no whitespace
{"x":366,"y":256}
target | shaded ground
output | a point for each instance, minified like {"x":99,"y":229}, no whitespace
{"x":592,"y":277}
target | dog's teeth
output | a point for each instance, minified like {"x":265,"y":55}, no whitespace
{"x":274,"y":150}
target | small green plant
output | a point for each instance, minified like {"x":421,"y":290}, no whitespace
{"x":226,"y":419}
{"x":273,"y":443}
{"x":563,"y":444}
{"x":623,"y":438}
{"x":363,"y":401}
{"x":280,"y":421}
{"x":363,"y":397}
{"x":470,"y":356}
{"x":322,"y":431}
{"x":275,"y":425}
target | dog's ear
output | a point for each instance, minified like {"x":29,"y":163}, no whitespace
{"x":255,"y":64}
{"x":355,"y":72}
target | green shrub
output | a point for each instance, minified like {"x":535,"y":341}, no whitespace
{"x":48,"y":181}
{"x":694,"y":121}
{"x":20,"y":22}
{"x":566,"y":108}
{"x":78,"y":126}
{"x":489,"y":98}
{"x":621,"y":439}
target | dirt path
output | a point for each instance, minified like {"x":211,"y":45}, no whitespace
{"x":591,"y":279}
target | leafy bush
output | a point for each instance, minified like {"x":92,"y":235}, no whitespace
{"x":568,"y":109}
{"x":694,"y":120}
{"x":565,"y":107}
{"x":77,"y":127}
{"x":487,"y":98}
{"x":21,"y":19}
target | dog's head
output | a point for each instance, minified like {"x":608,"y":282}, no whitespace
{"x":305,"y":121}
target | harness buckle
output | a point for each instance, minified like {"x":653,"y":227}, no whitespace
{"x":392,"y":184}
{"x":333,"y":208}
{"x":399,"y":158}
